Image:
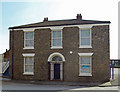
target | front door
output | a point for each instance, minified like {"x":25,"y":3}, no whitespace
{"x":56,"y":71}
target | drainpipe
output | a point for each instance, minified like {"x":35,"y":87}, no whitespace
{"x":12,"y":51}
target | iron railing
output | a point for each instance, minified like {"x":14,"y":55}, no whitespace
{"x":4,"y":68}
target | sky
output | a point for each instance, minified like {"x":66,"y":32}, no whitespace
{"x":20,"y":12}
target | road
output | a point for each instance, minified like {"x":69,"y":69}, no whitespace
{"x":8,"y":85}
{"x":15,"y":85}
{"x":21,"y":86}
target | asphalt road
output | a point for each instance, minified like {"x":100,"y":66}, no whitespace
{"x":24,"y":86}
{"x":14,"y":85}
{"x":9,"y":85}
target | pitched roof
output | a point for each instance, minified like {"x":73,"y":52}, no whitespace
{"x":48,"y":23}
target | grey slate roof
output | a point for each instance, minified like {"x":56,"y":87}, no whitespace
{"x":60,"y":23}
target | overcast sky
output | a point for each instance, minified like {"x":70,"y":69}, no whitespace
{"x":19,"y":12}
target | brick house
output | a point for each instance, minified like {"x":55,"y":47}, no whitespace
{"x":66,"y":50}
{"x":6,"y":56}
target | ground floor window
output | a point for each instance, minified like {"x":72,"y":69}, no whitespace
{"x":28,"y":64}
{"x":85,"y":64}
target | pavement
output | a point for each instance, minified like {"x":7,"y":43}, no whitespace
{"x":32,"y":85}
{"x":116,"y":80}
{"x":8,"y":84}
{"x":6,"y":81}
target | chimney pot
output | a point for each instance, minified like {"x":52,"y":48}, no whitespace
{"x":79,"y":16}
{"x":45,"y":19}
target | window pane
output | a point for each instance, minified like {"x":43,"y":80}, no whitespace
{"x":28,"y":68}
{"x":85,"y":33}
{"x":29,"y":43}
{"x":84,"y":60}
{"x":85,"y":41}
{"x":57,"y":42}
{"x":85,"y":69}
{"x":29,"y":35}
{"x":56,"y":58}
{"x":56,"y":34}
{"x":59,"y":34}
{"x":29,"y":61}
{"x":26,"y":35}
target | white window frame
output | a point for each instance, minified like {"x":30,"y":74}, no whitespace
{"x":28,"y":47}
{"x":85,"y":46}
{"x":28,"y":55}
{"x":56,"y":47}
{"x":85,"y":55}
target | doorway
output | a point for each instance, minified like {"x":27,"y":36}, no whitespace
{"x":57,"y":71}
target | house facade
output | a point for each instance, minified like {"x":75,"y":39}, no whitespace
{"x":65,"y":50}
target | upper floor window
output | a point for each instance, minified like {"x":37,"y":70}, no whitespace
{"x":56,"y":41}
{"x":85,"y":38}
{"x":28,"y":39}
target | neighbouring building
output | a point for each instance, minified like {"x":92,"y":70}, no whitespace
{"x":1,"y":61}
{"x":66,"y":50}
{"x":5,"y":64}
{"x":6,"y":56}
{"x":115,"y":63}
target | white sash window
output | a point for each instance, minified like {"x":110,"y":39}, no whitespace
{"x":85,"y":64}
{"x":85,"y":38}
{"x":28,"y":39}
{"x":56,"y":41}
{"x":28,"y":64}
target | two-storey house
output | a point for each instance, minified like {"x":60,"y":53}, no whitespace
{"x":66,"y":50}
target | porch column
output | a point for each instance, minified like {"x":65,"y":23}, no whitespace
{"x":51,"y":71}
{"x":61,"y":71}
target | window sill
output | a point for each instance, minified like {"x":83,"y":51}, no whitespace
{"x":85,"y":74}
{"x":85,"y":47}
{"x":57,"y":47}
{"x":28,"y":48}
{"x":28,"y":73}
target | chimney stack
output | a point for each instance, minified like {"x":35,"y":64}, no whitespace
{"x":45,"y":19}
{"x":79,"y":17}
